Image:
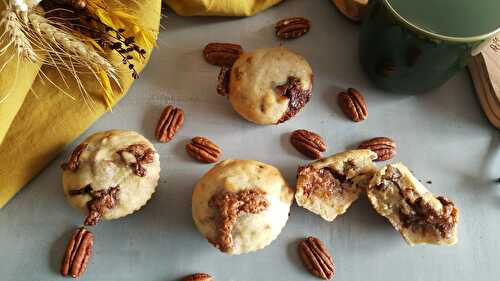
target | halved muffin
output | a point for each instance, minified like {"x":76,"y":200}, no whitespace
{"x":328,"y":186}
{"x":419,"y":216}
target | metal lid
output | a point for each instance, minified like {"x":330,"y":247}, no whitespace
{"x":452,"y":20}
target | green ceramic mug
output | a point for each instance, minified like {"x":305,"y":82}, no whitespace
{"x":414,"y":46}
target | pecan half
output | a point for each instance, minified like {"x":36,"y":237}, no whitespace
{"x":229,"y":207}
{"x":78,"y":253}
{"x":137,"y":155}
{"x":171,"y":120}
{"x":383,"y":146}
{"x":72,"y":163}
{"x":222,"y":54}
{"x":297,"y":96}
{"x":308,"y":143}
{"x":223,"y":81}
{"x":203,"y":150}
{"x":198,"y":277}
{"x":353,"y":105}
{"x":292,"y":28}
{"x":316,"y":258}
{"x":101,"y":199}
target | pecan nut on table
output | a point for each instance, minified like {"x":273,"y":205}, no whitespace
{"x":308,"y":143}
{"x":222,"y":54}
{"x":316,"y":258}
{"x":78,"y":253}
{"x":384,"y":147}
{"x":171,"y":120}
{"x":292,"y":28}
{"x":203,"y":150}
{"x":198,"y":277}
{"x":353,"y":105}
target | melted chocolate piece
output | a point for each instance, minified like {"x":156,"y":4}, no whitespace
{"x":84,"y":190}
{"x":72,"y":164}
{"x":324,"y":181}
{"x":419,"y":215}
{"x":223,"y":81}
{"x":298,"y":97}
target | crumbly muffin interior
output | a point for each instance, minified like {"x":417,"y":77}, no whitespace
{"x":421,"y":214}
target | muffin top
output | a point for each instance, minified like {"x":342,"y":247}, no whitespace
{"x":111,"y":174}
{"x":269,"y":86}
{"x":241,"y":205}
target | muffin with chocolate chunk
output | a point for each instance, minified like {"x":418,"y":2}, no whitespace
{"x":419,"y":216}
{"x":327,"y":187}
{"x":269,"y":86}
{"x":111,"y":174}
{"x":241,"y":206}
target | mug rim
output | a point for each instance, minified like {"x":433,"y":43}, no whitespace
{"x":438,"y":36}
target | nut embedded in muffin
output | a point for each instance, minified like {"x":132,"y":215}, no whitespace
{"x":111,"y":174}
{"x":241,"y":206}
{"x":268,"y":86}
{"x":419,"y":216}
{"x":328,"y":187}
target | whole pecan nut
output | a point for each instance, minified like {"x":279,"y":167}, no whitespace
{"x":78,"y":253}
{"x":308,"y":143}
{"x":198,"y":277}
{"x":72,"y":163}
{"x":383,"y":146}
{"x":223,"y":81}
{"x":203,"y":150}
{"x":171,"y":120}
{"x":292,"y":28}
{"x":316,"y":258}
{"x":222,"y":54}
{"x":353,"y":105}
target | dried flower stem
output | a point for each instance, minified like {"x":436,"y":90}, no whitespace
{"x":69,"y":44}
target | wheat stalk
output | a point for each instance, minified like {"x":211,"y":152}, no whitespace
{"x":67,"y":50}
{"x":69,"y":45}
{"x":16,"y":33}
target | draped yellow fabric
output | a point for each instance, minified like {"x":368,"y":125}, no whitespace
{"x":220,"y":7}
{"x":36,"y":124}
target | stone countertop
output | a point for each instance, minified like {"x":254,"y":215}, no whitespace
{"x":442,"y":136}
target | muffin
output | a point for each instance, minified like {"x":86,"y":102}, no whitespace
{"x":419,"y":216}
{"x":241,"y":206}
{"x":270,"y":86}
{"x":111,"y":174}
{"x":327,"y":187}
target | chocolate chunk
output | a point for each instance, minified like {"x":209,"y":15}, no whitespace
{"x":298,"y":97}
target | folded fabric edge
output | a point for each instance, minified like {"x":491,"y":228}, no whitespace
{"x":225,"y":9}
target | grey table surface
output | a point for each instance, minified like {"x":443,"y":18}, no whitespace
{"x":442,"y":136}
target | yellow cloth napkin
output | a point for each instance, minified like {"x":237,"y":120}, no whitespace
{"x":36,"y":125}
{"x":220,"y":7}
